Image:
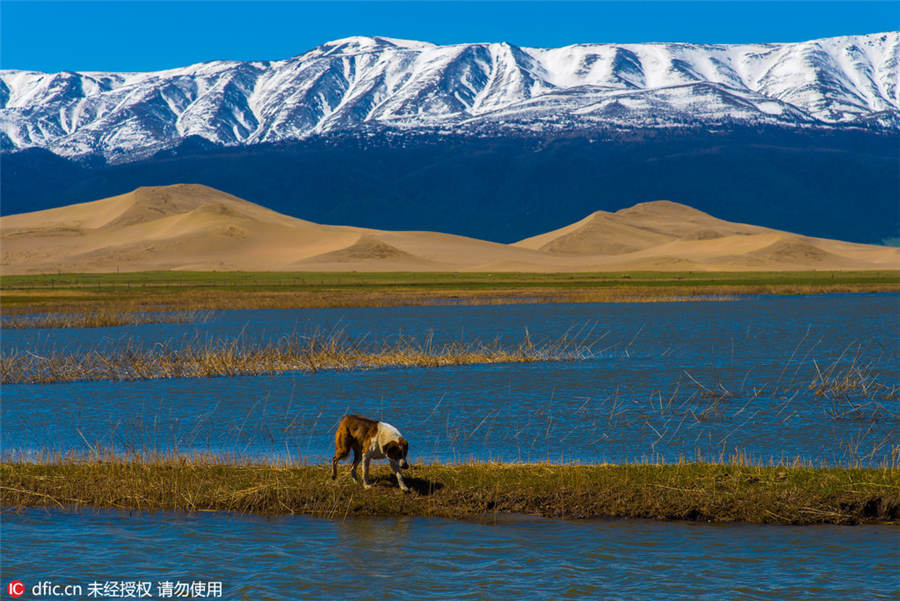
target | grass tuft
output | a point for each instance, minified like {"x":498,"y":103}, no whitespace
{"x":855,"y":392}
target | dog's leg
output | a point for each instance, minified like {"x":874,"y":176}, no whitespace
{"x":340,"y":455}
{"x":366,"y":460}
{"x":356,"y":459}
{"x":396,"y":467}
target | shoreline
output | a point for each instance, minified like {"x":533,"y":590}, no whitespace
{"x":700,"y":492}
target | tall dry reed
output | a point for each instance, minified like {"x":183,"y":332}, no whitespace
{"x":238,"y":357}
{"x":103,"y":317}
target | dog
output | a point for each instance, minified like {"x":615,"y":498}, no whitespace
{"x":369,"y":439}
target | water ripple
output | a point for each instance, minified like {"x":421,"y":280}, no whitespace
{"x":416,"y":558}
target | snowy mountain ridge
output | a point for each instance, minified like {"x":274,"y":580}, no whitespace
{"x":375,"y":84}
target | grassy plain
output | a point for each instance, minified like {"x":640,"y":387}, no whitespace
{"x":189,"y":291}
{"x":731,"y":492}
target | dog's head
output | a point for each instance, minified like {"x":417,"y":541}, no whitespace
{"x":396,"y":451}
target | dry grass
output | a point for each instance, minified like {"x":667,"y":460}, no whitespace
{"x":855,"y":391}
{"x":103,"y":317}
{"x":733,"y":492}
{"x":201,"y":300}
{"x":234,"y":358}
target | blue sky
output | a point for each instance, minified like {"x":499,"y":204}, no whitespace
{"x":140,"y":36}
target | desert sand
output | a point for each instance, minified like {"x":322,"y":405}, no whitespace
{"x":194,"y":227}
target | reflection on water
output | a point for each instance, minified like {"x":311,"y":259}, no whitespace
{"x":516,"y":558}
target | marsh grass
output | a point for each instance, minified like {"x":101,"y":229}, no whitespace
{"x":716,"y":492}
{"x":712,"y":409}
{"x":331,"y":351}
{"x":102,"y":317}
{"x":855,"y":392}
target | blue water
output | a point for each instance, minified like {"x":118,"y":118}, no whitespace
{"x":289,"y":558}
{"x":759,"y":326}
{"x":662,"y":381}
{"x":650,"y":388}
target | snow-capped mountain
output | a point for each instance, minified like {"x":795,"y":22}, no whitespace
{"x":367,"y":85}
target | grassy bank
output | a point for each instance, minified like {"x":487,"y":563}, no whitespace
{"x":236,"y":357}
{"x":690,"y":491}
{"x":153,"y":291}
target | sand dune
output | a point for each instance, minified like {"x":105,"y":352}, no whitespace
{"x":194,"y":227}
{"x":645,"y":225}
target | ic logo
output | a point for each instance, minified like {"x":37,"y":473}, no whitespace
{"x":15,"y":588}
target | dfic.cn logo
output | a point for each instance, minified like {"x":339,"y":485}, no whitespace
{"x":15,"y":588}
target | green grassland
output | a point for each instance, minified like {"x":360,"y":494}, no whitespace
{"x":171,"y":290}
{"x":277,"y":280}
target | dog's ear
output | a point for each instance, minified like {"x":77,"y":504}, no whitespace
{"x":404,"y":446}
{"x":393,"y":450}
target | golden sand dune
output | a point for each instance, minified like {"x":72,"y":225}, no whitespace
{"x":172,"y":227}
{"x":645,"y":225}
{"x":194,"y":227}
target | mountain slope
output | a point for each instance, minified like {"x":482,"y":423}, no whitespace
{"x":380,"y":85}
{"x":198,"y":228}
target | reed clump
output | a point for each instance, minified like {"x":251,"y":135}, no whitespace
{"x":307,"y":353}
{"x":730,"y":492}
{"x":856,"y":393}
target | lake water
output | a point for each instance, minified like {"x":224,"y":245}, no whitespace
{"x":290,"y":558}
{"x":662,"y":381}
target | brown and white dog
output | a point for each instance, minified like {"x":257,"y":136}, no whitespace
{"x":369,"y":439}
